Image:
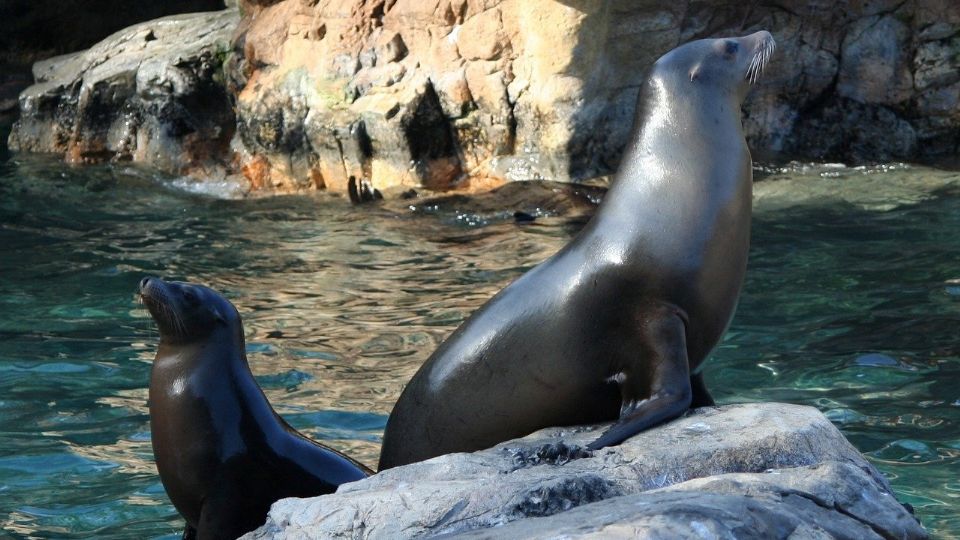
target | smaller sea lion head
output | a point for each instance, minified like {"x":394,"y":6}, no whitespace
{"x":729,"y":64}
{"x":185,"y":312}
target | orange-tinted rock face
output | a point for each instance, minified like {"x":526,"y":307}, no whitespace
{"x":404,"y":93}
{"x":433,"y":92}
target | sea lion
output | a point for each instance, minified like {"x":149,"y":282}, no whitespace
{"x":223,"y":454}
{"x":615,"y":325}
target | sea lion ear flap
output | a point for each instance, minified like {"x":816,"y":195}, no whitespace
{"x":217,"y":314}
{"x":695,"y":73}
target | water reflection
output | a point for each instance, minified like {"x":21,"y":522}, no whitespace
{"x":848,"y":307}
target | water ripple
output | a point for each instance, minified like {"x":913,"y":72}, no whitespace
{"x":849,"y":306}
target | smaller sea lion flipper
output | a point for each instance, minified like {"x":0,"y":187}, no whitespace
{"x":226,"y":512}
{"x":657,"y":386}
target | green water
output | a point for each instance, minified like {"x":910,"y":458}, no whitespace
{"x":849,"y":306}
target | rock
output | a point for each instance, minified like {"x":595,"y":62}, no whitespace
{"x":37,"y":29}
{"x":785,"y":504}
{"x":937,"y":64}
{"x":406,"y":93}
{"x":151,"y":94}
{"x":547,"y":90}
{"x":844,"y":129}
{"x":876,"y":62}
{"x":752,"y":471}
{"x":515,"y":200}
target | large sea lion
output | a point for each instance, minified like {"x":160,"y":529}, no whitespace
{"x":616,"y":324}
{"x":223,"y":454}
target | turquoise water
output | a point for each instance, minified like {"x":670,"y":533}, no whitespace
{"x":852,"y":304}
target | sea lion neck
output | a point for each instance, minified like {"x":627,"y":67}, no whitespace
{"x":670,"y":100}
{"x":186,"y":354}
{"x":680,"y":127}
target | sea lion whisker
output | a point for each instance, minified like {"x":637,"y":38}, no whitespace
{"x":171,"y":314}
{"x":759,"y":61}
{"x":752,"y":68}
{"x":178,"y":321}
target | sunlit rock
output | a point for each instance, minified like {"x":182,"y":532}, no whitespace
{"x":751,"y":471}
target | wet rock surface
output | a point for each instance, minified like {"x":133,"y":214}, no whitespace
{"x":151,"y":93}
{"x":524,"y":202}
{"x":754,"y":471}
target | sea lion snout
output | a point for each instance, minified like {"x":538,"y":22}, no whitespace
{"x":150,"y":291}
{"x":151,"y":287}
{"x":155,"y":295}
{"x":145,"y":285}
{"x":762,"y":44}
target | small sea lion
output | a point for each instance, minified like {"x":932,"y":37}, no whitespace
{"x":223,"y":454}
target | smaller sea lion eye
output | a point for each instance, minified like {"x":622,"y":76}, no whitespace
{"x":731,"y":47}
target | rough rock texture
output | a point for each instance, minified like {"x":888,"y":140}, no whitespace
{"x":151,"y":93}
{"x":38,"y":29}
{"x":404,"y":91}
{"x":33,"y":30}
{"x":460,"y":93}
{"x":753,"y":471}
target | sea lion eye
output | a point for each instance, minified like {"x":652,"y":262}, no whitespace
{"x":190,"y":297}
{"x":731,"y":47}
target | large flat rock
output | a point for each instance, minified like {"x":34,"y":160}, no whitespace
{"x":753,"y":471}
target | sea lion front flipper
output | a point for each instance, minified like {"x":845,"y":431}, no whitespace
{"x":189,"y":533}
{"x":656,"y":387}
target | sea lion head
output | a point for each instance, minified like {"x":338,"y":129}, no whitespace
{"x":185,"y":312}
{"x":728,"y":65}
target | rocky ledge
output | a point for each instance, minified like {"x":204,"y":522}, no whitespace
{"x":152,"y":93}
{"x":739,"y":471}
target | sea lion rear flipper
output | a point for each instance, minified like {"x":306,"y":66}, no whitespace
{"x":656,"y":387}
{"x":701,"y":397}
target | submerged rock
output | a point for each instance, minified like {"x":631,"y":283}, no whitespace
{"x":151,"y":93}
{"x":874,"y":188}
{"x":752,"y":471}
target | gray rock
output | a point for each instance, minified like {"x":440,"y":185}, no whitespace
{"x":781,"y":504}
{"x":752,"y":471}
{"x":37,"y":29}
{"x":844,"y":129}
{"x":875,"y":67}
{"x":937,"y":64}
{"x":151,"y":93}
